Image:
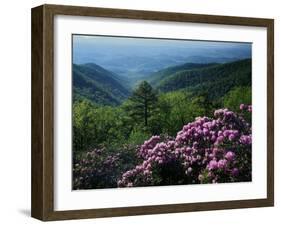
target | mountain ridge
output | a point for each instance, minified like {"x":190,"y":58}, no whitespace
{"x":95,"y":83}
{"x":169,"y":71}
{"x":221,"y":76}
{"x":104,"y":87}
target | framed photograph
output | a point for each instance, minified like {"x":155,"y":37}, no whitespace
{"x":141,"y":112}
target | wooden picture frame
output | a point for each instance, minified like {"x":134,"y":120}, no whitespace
{"x":43,"y":108}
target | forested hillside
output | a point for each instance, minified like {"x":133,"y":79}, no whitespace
{"x":95,"y":83}
{"x":215,"y":80}
{"x":158,"y":76}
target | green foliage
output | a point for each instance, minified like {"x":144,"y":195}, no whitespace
{"x":205,"y":103}
{"x":95,"y":126}
{"x":175,"y":110}
{"x":83,"y":124}
{"x":143,"y":103}
{"x":237,"y":96}
{"x":137,"y":136}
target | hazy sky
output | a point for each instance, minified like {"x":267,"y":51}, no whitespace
{"x":149,"y":42}
{"x":129,"y":53}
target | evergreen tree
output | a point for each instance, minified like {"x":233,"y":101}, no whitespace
{"x":143,"y":102}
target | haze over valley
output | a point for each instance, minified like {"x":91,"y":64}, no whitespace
{"x":137,"y":59}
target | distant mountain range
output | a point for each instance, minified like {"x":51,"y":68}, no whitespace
{"x":104,"y":87}
{"x":137,"y":65}
{"x":135,"y":58}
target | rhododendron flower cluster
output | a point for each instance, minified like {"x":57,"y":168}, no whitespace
{"x":208,"y":150}
{"x":92,"y":170}
{"x":246,"y":107}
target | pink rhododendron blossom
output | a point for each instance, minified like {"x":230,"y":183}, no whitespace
{"x":207,"y":150}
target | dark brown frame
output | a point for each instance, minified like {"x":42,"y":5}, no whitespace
{"x":42,"y":203}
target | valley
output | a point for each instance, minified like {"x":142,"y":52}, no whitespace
{"x":104,"y":87}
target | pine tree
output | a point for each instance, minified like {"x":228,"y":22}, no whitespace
{"x":144,"y":101}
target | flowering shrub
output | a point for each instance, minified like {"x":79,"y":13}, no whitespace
{"x":208,"y":150}
{"x":101,"y":168}
{"x":92,"y":170}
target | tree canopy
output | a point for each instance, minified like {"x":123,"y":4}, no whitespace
{"x":143,"y":102}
